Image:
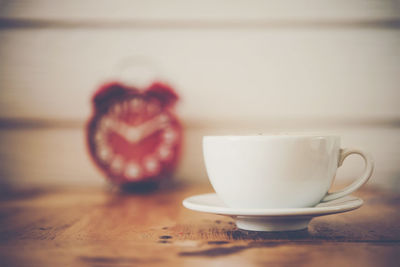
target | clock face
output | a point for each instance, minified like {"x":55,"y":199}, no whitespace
{"x":135,"y":138}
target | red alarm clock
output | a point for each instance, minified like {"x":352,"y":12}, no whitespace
{"x":133,"y":135}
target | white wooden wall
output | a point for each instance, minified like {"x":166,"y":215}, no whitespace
{"x":240,"y":66}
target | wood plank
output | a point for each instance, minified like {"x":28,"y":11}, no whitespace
{"x":259,"y":74}
{"x":57,"y":157}
{"x":199,"y":11}
{"x":104,"y":228}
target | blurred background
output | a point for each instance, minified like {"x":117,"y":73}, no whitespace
{"x":240,"y":67}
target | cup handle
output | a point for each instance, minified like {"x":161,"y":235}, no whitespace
{"x":369,"y":167}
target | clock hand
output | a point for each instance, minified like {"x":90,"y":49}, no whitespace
{"x":131,"y":133}
{"x":152,"y":126}
{"x":134,"y":134}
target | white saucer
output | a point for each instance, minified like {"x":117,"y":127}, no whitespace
{"x":271,"y":219}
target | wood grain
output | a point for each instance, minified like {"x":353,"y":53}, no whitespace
{"x":105,"y":227}
{"x":57,"y":157}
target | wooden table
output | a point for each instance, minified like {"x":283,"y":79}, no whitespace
{"x":103,"y":227}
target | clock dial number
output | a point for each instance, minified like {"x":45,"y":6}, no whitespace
{"x":169,"y":135}
{"x":132,"y":171}
{"x":117,"y":164}
{"x":152,"y":165}
{"x":136,"y":105}
{"x":105,"y":154}
{"x":164,"y":152}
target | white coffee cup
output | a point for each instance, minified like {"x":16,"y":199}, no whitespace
{"x":277,"y":171}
